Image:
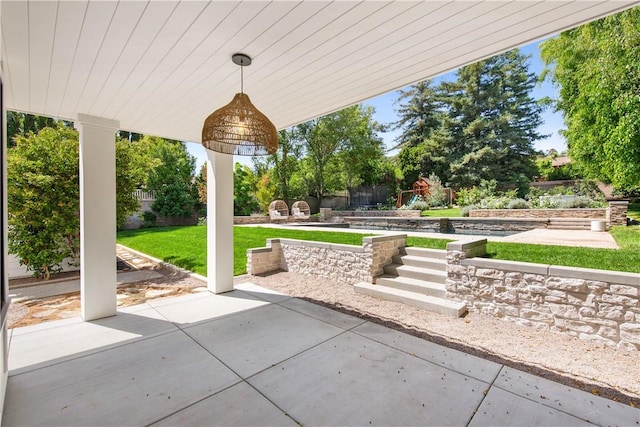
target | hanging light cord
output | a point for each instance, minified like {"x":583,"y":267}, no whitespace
{"x":242,"y":78}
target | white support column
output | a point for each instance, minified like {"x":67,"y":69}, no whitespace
{"x":97,"y":216}
{"x":219,"y":222}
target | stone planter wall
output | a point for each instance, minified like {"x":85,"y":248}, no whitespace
{"x":329,"y":215}
{"x":253,"y":219}
{"x":602,"y":306}
{"x":448,"y":225}
{"x":347,"y":263}
{"x":615,"y":214}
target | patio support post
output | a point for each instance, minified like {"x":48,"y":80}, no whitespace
{"x":219,"y":222}
{"x":97,"y":216}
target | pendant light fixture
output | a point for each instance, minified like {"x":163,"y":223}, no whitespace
{"x":240,"y":128}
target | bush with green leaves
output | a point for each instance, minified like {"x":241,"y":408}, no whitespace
{"x":419,"y":205}
{"x":44,"y":199}
{"x":498,"y":201}
{"x":437,"y":196}
{"x":244,"y":200}
{"x":580,"y":202}
{"x":518,"y":204}
{"x":465,"y":210}
{"x":473,"y":196}
{"x":172,"y":178}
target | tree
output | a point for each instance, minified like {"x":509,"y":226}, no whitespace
{"x":43,"y":199}
{"x":201,"y":185}
{"x":418,"y":114}
{"x":338,"y":147}
{"x":495,"y":121}
{"x":424,"y":139}
{"x":285,"y":160}
{"x":21,"y":124}
{"x":130,"y":173}
{"x":479,"y":127}
{"x":244,"y":201}
{"x":172,"y":176}
{"x":597,"y":67}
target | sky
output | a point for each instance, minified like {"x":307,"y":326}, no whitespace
{"x":385,"y":112}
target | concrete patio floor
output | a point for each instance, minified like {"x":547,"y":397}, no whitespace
{"x":255,"y":357}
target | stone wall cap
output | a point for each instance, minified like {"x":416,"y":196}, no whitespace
{"x":523,"y":267}
{"x":497,"y":218}
{"x":464,"y":245}
{"x":618,"y":202}
{"x":258,"y":250}
{"x":615,"y":277}
{"x":349,"y":248}
{"x":387,"y":237}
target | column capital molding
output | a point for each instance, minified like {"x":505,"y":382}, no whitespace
{"x":97,"y":122}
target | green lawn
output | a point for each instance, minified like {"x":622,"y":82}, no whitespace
{"x":633,"y":211}
{"x":444,"y":213}
{"x":627,"y":258}
{"x":186,"y":247}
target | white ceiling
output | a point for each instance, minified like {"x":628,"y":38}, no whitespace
{"x":161,"y":67}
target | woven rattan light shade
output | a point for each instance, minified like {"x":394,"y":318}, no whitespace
{"x":240,"y":128}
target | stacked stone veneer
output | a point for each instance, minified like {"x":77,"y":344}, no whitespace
{"x":615,"y":214}
{"x":329,"y":215}
{"x":253,"y":219}
{"x":598,"y":305}
{"x":345,"y":263}
{"x":448,"y":225}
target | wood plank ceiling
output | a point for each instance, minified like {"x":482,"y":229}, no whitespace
{"x":160,"y":67}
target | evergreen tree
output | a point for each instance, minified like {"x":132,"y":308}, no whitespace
{"x":424,"y":139}
{"x":480,"y":127}
{"x":494,"y":122}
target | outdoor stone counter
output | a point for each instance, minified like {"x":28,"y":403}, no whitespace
{"x":347,"y":263}
{"x":597,"y":305}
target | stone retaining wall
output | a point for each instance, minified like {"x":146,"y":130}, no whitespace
{"x":346,"y":263}
{"x":449,"y":225}
{"x":329,"y":215}
{"x":253,"y":219}
{"x":615,"y":214}
{"x":597,"y":305}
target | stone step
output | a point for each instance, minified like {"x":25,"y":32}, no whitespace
{"x":422,"y":262}
{"x":424,"y":252}
{"x":419,"y":273}
{"x":412,"y":285}
{"x":425,"y":302}
{"x":569,"y":226}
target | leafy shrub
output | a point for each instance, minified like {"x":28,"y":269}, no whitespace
{"x":437,"y":195}
{"x":498,"y":202}
{"x":578,"y":202}
{"x":419,"y":205}
{"x":518,"y":204}
{"x":473,"y":196}
{"x":202,"y":220}
{"x":149,"y":219}
{"x":465,"y":210}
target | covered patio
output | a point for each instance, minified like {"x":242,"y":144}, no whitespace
{"x":160,"y":68}
{"x":255,"y":357}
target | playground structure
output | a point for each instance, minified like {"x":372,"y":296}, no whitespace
{"x":420,"y":190}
